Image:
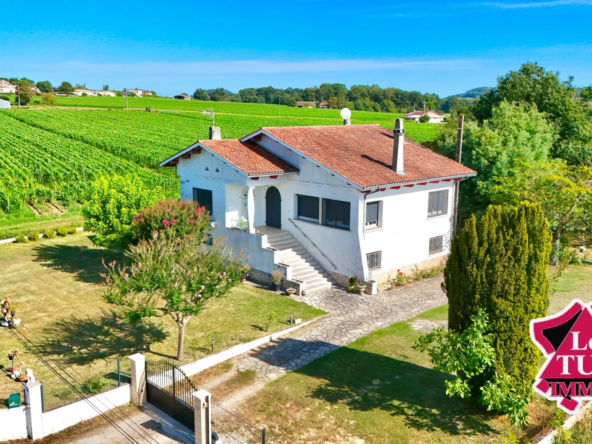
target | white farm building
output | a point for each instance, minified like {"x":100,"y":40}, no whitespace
{"x":322,"y":203}
{"x":433,"y":115}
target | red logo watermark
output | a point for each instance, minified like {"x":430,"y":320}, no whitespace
{"x":566,"y":341}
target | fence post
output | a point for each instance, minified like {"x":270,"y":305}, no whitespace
{"x":202,"y":401}
{"x":138,"y":373}
{"x":118,"y":373}
{"x":35,"y":410}
{"x":262,"y":436}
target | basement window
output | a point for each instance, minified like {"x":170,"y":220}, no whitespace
{"x":204,"y":199}
{"x":438,"y":203}
{"x":308,"y":208}
{"x":436,"y":244}
{"x":374,"y":260}
{"x":336,"y":213}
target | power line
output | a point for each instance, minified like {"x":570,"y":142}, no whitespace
{"x":28,"y":343}
{"x":141,"y":431}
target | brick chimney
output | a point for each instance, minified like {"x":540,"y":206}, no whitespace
{"x":215,"y":133}
{"x":399,"y":141}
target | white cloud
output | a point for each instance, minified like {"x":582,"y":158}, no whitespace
{"x":239,"y":67}
{"x":538,"y":4}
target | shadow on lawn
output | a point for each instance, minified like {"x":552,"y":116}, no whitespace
{"x":85,"y":262}
{"x":368,"y":381}
{"x":84,"y":340}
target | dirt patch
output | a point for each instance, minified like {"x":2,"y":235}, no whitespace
{"x":427,"y":326}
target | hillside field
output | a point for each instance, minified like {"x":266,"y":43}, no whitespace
{"x":53,"y":154}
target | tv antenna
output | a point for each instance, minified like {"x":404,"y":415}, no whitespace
{"x":210,"y":114}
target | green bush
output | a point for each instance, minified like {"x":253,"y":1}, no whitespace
{"x":94,"y":384}
{"x":112,"y":204}
{"x":175,"y":217}
{"x":49,"y":234}
{"x":72,"y":230}
{"x":499,"y":264}
{"x":62,"y":232}
{"x":33,"y":236}
{"x":22,"y":239}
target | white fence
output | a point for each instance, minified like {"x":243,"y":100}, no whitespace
{"x":13,"y":423}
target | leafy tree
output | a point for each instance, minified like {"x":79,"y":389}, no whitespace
{"x":218,"y":95}
{"x":105,"y":87}
{"x":173,"y":276}
{"x":111,"y":205}
{"x":563,"y":192}
{"x":65,"y":88}
{"x":25,"y":92}
{"x":586,"y":94}
{"x":201,"y":94}
{"x":534,"y":85}
{"x":49,"y":99}
{"x":498,"y":264}
{"x":470,"y":354}
{"x":45,"y":86}
{"x":424,"y":119}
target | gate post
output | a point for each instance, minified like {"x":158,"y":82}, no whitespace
{"x":35,"y":409}
{"x":202,"y":401}
{"x":138,"y":373}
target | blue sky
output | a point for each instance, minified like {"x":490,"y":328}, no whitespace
{"x":444,"y":47}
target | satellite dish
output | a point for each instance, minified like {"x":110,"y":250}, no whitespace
{"x":345,"y":113}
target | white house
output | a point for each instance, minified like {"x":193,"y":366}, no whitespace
{"x":322,"y":203}
{"x":7,"y":87}
{"x":4,"y":104}
{"x":80,"y":92}
{"x":105,"y":93}
{"x":434,"y":116}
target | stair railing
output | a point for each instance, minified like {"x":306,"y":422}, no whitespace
{"x":313,"y":244}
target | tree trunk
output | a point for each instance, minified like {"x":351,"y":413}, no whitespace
{"x":181,"y":324}
{"x":556,"y":246}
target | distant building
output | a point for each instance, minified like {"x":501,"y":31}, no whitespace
{"x":182,"y":97}
{"x":306,"y":105}
{"x":147,"y":93}
{"x":323,"y":105}
{"x":4,"y":104}
{"x":7,"y":87}
{"x":105,"y":93}
{"x":80,"y":92}
{"x":434,"y":116}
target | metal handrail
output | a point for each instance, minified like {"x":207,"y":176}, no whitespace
{"x":314,"y":245}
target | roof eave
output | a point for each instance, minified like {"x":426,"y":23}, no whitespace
{"x":416,"y":181}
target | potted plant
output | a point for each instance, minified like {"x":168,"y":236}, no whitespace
{"x":352,"y":283}
{"x":276,"y":278}
{"x":291,"y":291}
{"x":361,"y":287}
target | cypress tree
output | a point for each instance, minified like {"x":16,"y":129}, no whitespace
{"x":499,"y":263}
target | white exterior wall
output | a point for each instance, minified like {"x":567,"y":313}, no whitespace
{"x":13,"y":423}
{"x":405,"y":232}
{"x":59,"y":419}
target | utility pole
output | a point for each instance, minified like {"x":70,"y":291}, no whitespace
{"x":125,"y":91}
{"x":458,"y":158}
{"x":18,"y":91}
{"x":279,"y":106}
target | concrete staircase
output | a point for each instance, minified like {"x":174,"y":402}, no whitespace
{"x":304,"y":266}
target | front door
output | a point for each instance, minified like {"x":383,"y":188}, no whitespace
{"x":273,"y":208}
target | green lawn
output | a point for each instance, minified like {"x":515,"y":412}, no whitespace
{"x":380,"y":390}
{"x":56,"y":287}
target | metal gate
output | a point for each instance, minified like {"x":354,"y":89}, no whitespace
{"x":169,"y":389}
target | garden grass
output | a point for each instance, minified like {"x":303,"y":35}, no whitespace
{"x":56,"y":287}
{"x":380,"y":390}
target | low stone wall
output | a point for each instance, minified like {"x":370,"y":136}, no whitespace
{"x":568,"y":424}
{"x":264,"y":279}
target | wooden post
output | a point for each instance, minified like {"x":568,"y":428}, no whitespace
{"x":458,"y":158}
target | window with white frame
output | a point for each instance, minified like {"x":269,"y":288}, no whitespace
{"x":438,"y":203}
{"x":308,"y":208}
{"x":436,"y":244}
{"x":372,"y":214}
{"x":374,"y":260}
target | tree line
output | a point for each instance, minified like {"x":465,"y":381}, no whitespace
{"x":337,"y":95}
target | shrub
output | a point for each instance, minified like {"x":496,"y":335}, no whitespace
{"x":49,"y":99}
{"x":22,"y":239}
{"x":112,"y":204}
{"x":175,"y":217}
{"x":49,"y":234}
{"x":72,"y":230}
{"x":62,"y":231}
{"x":424,"y":119}
{"x":499,"y":264}
{"x":33,"y":236}
{"x":94,"y":384}
{"x":276,"y":276}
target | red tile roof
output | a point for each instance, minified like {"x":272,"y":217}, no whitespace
{"x":362,"y":154}
{"x":248,"y":157}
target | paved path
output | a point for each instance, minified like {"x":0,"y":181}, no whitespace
{"x":354,"y":316}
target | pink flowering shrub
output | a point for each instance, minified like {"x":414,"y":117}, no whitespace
{"x":173,"y":217}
